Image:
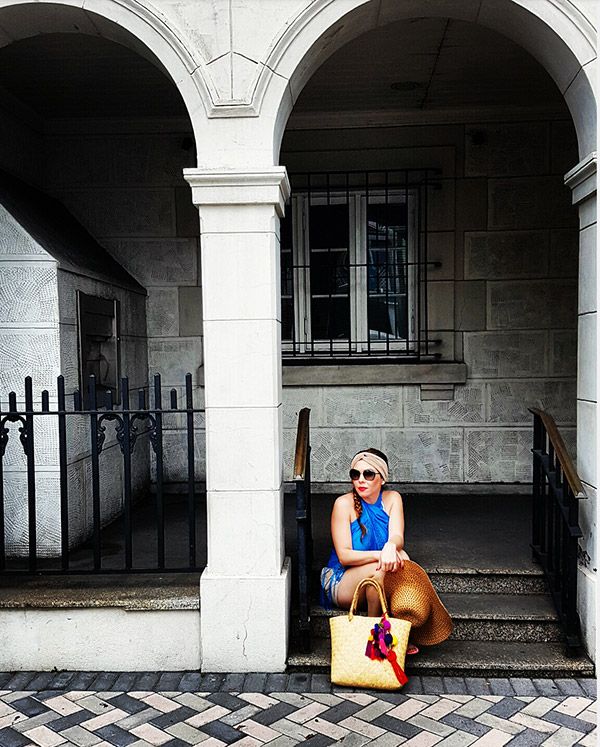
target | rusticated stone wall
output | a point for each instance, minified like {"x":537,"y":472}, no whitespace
{"x":504,"y":301}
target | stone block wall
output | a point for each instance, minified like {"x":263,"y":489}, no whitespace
{"x":127,"y":189}
{"x":38,"y":337}
{"x":504,"y":301}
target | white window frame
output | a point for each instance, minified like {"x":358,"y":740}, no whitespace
{"x":358,"y":275}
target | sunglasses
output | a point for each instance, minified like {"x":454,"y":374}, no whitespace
{"x":368,"y":474}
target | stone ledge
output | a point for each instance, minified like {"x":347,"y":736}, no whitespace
{"x":374,"y":373}
{"x":129,"y":592}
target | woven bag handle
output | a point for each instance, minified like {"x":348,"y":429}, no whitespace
{"x":367,"y":582}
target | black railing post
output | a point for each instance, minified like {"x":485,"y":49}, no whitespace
{"x":95,"y":449}
{"x":158,"y":454}
{"x":62,"y":460}
{"x":28,"y":438}
{"x":126,"y":449}
{"x":191,"y":469}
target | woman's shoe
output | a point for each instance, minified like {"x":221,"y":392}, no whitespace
{"x":412,"y":649}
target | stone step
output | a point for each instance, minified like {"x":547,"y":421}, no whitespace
{"x":483,"y":617}
{"x":472,"y":659}
{"x":478,"y":581}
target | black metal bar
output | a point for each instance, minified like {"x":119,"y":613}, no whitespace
{"x":126,"y":449}
{"x":29,"y":446}
{"x":191,"y":469}
{"x":2,"y":522}
{"x":95,"y":449}
{"x":64,"y":480}
{"x":158,"y":453}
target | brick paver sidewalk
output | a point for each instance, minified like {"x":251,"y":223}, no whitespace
{"x":176,"y":709}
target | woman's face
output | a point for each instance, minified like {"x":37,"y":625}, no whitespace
{"x":367,"y":489}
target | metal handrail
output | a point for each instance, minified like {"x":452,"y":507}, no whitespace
{"x":561,"y":451}
{"x":303,"y":526}
{"x":302,"y":444}
{"x":557,"y":490}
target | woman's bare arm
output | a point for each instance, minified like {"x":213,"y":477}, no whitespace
{"x":390,"y":558}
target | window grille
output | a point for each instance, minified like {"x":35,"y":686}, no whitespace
{"x":354,"y":267}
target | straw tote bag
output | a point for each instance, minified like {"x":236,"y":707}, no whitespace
{"x":368,"y":651}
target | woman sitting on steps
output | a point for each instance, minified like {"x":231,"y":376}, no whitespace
{"x":367,"y":528}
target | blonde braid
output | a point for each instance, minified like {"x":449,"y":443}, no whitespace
{"x":358,"y":508}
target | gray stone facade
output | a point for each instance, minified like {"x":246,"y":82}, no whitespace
{"x":504,"y":301}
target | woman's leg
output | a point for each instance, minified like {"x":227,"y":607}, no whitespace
{"x":350,"y":580}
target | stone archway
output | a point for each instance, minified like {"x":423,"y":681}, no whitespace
{"x":561,"y":38}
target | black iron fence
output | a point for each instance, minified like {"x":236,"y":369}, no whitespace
{"x":63,"y":436}
{"x":557,"y":490}
{"x":303,"y":527}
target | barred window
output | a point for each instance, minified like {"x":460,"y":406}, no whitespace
{"x":354,"y":266}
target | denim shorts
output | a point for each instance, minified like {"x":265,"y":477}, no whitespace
{"x":330,"y":580}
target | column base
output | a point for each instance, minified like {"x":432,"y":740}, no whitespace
{"x":244,"y":622}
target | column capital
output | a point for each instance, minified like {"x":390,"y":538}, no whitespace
{"x":268,"y":186}
{"x":582,"y":178}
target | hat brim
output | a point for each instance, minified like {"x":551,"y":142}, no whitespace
{"x":412,"y":597}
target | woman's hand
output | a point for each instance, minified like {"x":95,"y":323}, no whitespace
{"x":389,"y":558}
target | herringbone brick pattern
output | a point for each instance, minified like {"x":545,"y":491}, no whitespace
{"x":173,"y":718}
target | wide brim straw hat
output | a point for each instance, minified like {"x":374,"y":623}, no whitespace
{"x":411,"y":597}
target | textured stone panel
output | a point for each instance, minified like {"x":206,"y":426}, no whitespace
{"x":471,"y":204}
{"x":506,"y":354}
{"x":564,"y":253}
{"x":295,"y":398}
{"x":441,"y":208}
{"x":158,"y":262}
{"x":174,"y":358}
{"x":466,"y":407}
{"x":530,"y":202}
{"x":190,"y":311}
{"x":134,"y":361}
{"x":506,"y":254}
{"x":47,"y":514}
{"x":506,"y":149}
{"x":470,"y":309}
{"x":332,"y":450}
{"x":440,"y":305}
{"x":498,"y":455}
{"x":162,"y":312}
{"x":132,"y":311}
{"x":440,"y":248}
{"x":28,"y":352}
{"x":508,"y":401}
{"x":28,"y":293}
{"x":367,"y":406}
{"x":532,"y":305}
{"x":69,"y":356}
{"x":175,"y":466}
{"x":563,"y":352}
{"x":124,"y":212}
{"x":14,"y":240}
{"x":45,"y":434}
{"x":424,"y":455}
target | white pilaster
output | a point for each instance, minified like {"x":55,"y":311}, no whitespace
{"x":244,"y":590}
{"x":582,"y":181}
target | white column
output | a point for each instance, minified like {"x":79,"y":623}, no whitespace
{"x":244,"y":591}
{"x":582,"y":180}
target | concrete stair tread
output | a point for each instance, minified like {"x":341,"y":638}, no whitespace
{"x":518,"y":607}
{"x":474,"y":658}
{"x":147,"y":591}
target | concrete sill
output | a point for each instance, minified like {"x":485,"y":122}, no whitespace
{"x":179,"y":591}
{"x":380,"y":373}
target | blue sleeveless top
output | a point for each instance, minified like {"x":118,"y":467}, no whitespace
{"x":376,"y":522}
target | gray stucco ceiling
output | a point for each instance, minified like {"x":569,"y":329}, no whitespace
{"x":422,"y":64}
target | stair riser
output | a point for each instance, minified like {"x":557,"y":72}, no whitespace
{"x":479,"y":630}
{"x":470,"y":583}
